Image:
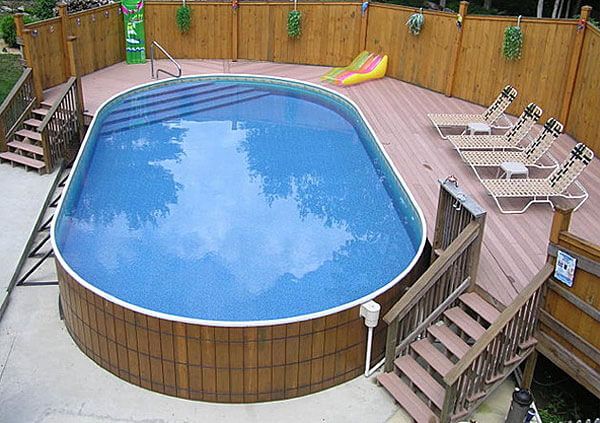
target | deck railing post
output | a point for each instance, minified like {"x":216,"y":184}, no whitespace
{"x":462,"y":13}
{"x":448,"y":407}
{"x":574,"y":64}
{"x":74,"y":71}
{"x":3,"y":146}
{"x":64,"y":23}
{"x":390,"y":346}
{"x":561,"y":221}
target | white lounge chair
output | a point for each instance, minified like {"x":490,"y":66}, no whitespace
{"x":543,"y":190}
{"x":510,"y":140}
{"x":489,"y":117}
{"x":530,"y":156}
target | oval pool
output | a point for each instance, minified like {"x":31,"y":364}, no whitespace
{"x":227,"y":201}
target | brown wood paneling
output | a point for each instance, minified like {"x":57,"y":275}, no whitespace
{"x":583,"y":120}
{"x":225,"y":364}
{"x":539,"y":75}
{"x":46,"y":48}
{"x":422,"y":60}
{"x":100,"y":37}
{"x":209,"y":35}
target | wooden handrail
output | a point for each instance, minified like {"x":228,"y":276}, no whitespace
{"x":18,"y":85}
{"x":69,"y":84}
{"x":495,"y":329}
{"x":431,"y":275}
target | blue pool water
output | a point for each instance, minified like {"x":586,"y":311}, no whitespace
{"x":235,"y":201}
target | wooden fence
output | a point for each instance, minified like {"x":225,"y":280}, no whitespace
{"x":44,"y":43}
{"x":558,"y":69}
{"x":569,"y":330}
{"x":16,"y":107}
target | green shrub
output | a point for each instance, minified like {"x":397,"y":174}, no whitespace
{"x":9,"y":29}
{"x":294,"y":26}
{"x":44,"y":9}
{"x":184,"y":18}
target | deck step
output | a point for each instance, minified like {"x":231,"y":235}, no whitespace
{"x":449,"y":339}
{"x":438,"y":361}
{"x":421,"y":379}
{"x":413,"y":405}
{"x":24,"y":160}
{"x":35,"y":123}
{"x":30,"y":148}
{"x":32,"y":135}
{"x":480,"y":306}
{"x":40,"y":112}
{"x":465,"y":322}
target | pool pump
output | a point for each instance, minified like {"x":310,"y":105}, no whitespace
{"x":370,"y":312}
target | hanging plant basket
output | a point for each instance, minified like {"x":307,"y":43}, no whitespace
{"x":513,"y":43}
{"x":415,"y":23}
{"x":294,"y":25}
{"x":184,"y":18}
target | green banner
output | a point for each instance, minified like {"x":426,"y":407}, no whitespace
{"x":135,"y":38}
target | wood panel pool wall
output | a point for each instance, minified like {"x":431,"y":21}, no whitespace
{"x":224,"y":364}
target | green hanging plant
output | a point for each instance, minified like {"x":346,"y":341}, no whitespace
{"x":513,"y":43}
{"x":184,"y":18}
{"x":294,"y":25}
{"x":415,"y":22}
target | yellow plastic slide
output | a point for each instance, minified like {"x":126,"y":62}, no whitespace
{"x":364,"y":67}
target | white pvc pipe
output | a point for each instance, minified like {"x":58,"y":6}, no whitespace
{"x":368,"y":357}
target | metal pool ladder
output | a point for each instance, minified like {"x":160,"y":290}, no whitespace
{"x":152,"y":47}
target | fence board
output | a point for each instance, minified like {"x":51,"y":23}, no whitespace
{"x":583,"y":121}
{"x":422,"y":60}
{"x":209,"y":35}
{"x":47,"y":51}
{"x":539,"y":75}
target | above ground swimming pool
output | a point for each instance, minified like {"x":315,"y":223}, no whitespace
{"x":227,"y":201}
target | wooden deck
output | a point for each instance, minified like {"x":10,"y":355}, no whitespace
{"x":514,"y":245}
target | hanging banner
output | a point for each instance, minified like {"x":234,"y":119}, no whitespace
{"x":135,"y":37}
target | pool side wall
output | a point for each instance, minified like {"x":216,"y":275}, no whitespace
{"x":224,"y":364}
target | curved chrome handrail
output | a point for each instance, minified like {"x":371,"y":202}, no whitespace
{"x":154,"y":43}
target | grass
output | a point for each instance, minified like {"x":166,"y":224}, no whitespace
{"x":10,"y":70}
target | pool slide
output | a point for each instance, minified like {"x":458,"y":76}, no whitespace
{"x":366,"y":66}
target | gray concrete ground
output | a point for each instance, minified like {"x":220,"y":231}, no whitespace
{"x":23,"y":194}
{"x":44,"y":377}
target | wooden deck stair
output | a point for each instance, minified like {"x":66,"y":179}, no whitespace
{"x":416,"y":382}
{"x":25,"y":146}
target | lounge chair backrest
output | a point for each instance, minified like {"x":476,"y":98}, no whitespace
{"x":570,"y":169}
{"x":528,"y":118}
{"x":538,"y":147}
{"x":500,"y":105}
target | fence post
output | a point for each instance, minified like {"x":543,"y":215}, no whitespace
{"x":574,"y":64}
{"x":64,"y":22}
{"x":234,"y":33}
{"x":364,"y":23}
{"x":24,"y":39}
{"x":75,"y":71}
{"x":560,"y":222}
{"x":462,"y":11}
{"x":390,"y":345}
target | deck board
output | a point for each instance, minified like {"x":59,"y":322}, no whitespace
{"x":514,"y":245}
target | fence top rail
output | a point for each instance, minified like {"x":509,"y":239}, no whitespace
{"x":524,"y":20}
{"x":68,"y":85}
{"x":18,"y":85}
{"x":81,"y":13}
{"x":590,"y":250}
{"x":42,"y":24}
{"x":440,"y":13}
{"x":431,"y":275}
{"x":505,"y":317}
{"x":256,"y":3}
